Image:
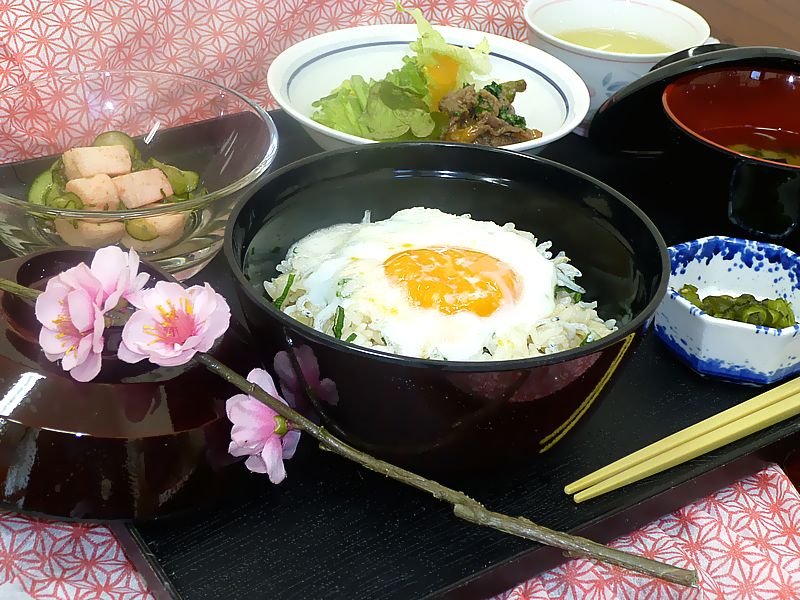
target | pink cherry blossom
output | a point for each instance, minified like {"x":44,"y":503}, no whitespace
{"x":173,"y":323}
{"x":259,"y":432}
{"x":118,"y":274}
{"x":72,"y":326}
{"x":112,"y":276}
{"x":293,"y":388}
{"x":72,"y":306}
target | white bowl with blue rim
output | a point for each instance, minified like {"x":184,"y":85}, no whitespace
{"x":724,"y":348}
{"x":555,"y":101}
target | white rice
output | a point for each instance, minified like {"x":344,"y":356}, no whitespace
{"x":571,"y":324}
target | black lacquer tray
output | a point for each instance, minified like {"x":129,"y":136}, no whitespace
{"x":333,"y":530}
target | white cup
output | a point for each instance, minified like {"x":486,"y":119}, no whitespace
{"x":605,"y":73}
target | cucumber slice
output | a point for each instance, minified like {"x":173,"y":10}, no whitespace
{"x":67,"y":201}
{"x":141,"y":229}
{"x":192,"y":180}
{"x":117,"y":138}
{"x":176,"y":198}
{"x":40,"y":187}
{"x":52,"y":193}
{"x":59,"y":177}
{"x":137,"y":164}
{"x":182,"y":182}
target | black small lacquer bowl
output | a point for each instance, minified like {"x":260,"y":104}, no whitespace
{"x":452,"y":415}
{"x":137,"y":442}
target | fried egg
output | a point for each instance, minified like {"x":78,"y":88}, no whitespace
{"x":434,"y":285}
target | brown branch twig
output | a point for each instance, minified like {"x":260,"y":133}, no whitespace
{"x":464,"y":507}
{"x":11,"y":287}
{"x":116,"y":317}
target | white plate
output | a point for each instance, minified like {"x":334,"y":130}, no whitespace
{"x":555,"y":102}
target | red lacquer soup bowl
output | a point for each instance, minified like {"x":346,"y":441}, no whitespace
{"x":749,"y":118}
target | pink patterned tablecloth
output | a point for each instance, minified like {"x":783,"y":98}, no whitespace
{"x":743,"y":540}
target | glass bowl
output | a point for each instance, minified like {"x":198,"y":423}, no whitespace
{"x":182,"y":121}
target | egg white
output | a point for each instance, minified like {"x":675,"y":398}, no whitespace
{"x":342,"y":266}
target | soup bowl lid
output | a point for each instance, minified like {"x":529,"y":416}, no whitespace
{"x":633,"y":120}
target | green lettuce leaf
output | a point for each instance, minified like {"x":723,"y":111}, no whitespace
{"x":471,"y":61}
{"x":398,"y":106}
{"x":409,"y":77}
{"x":342,"y":109}
{"x":392,"y":111}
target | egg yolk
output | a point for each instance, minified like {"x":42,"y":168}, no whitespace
{"x":451,"y":280}
{"x":442,"y":76}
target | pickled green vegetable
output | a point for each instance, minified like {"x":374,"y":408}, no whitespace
{"x":746,"y":308}
{"x":182,"y":182}
{"x":141,"y":229}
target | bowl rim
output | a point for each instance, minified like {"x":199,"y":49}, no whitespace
{"x":672,"y":87}
{"x":713,"y":321}
{"x":619,"y":335}
{"x":618,"y":56}
{"x":577,"y":108}
{"x":185,"y":205}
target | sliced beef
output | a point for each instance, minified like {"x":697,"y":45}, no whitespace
{"x":490,"y":130}
{"x":460,"y":102}
{"x":485,"y":116}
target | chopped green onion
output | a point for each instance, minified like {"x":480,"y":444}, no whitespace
{"x":514,"y":120}
{"x":482,"y":106}
{"x":340,"y":284}
{"x":338,"y":323}
{"x":576,"y":296}
{"x":278,"y":302}
{"x":494,"y":88}
{"x":351,"y":338}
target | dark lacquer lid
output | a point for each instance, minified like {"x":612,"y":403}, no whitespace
{"x":633,"y":120}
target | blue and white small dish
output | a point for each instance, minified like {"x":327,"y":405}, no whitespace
{"x":555,"y":101}
{"x":723,"y":348}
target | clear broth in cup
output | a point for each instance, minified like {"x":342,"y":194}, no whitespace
{"x":614,"y":40}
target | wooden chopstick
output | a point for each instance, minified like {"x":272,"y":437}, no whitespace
{"x":758,"y":413}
